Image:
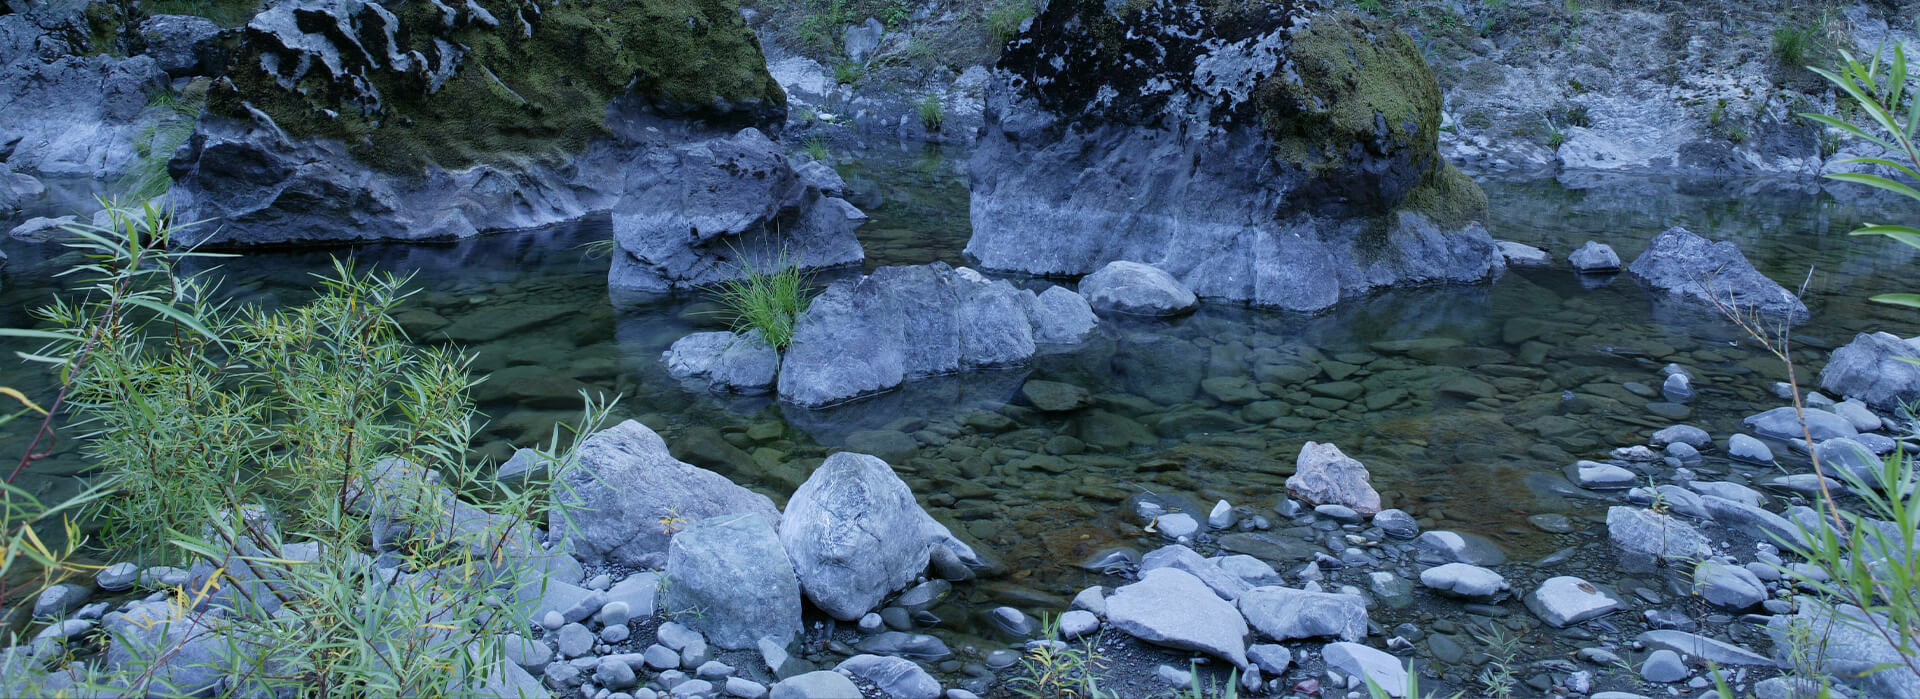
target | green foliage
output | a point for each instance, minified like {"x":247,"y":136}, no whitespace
{"x":767,"y":300}
{"x":1555,"y":137}
{"x":1575,"y":114}
{"x":816,"y":148}
{"x":848,"y":72}
{"x":1004,"y":19}
{"x":1885,"y":96}
{"x":269,"y":445}
{"x":932,"y":114}
{"x":148,"y":178}
{"x":1195,"y":690}
{"x":1795,"y":44}
{"x":1049,"y":671}
{"x":1411,"y":691}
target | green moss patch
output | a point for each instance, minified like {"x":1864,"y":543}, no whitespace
{"x":1349,"y":76}
{"x":1448,"y":197}
{"x":519,"y":97}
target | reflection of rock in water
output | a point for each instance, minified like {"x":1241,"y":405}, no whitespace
{"x":910,"y":407}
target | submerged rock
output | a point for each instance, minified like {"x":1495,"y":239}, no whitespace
{"x":1708,"y":273}
{"x":1594,"y":257}
{"x":1876,"y":369}
{"x":627,"y":495}
{"x":872,"y":333}
{"x":1304,"y":139}
{"x":730,"y":362}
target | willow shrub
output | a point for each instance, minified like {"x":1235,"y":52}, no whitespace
{"x":245,"y":442}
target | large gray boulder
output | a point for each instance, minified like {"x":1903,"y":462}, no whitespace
{"x":869,"y":334}
{"x":623,"y":500}
{"x":1325,"y":476}
{"x":1707,"y":273}
{"x":1876,"y":368}
{"x":714,"y":210}
{"x":181,"y":654}
{"x":76,"y":115}
{"x":1273,"y":153}
{"x":728,"y":578}
{"x":855,"y":533}
{"x":183,"y":45}
{"x":1172,"y":608}
{"x":1285,"y":614}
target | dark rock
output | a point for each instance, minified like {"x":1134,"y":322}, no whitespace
{"x":1305,"y":142}
{"x":1688,"y":266}
{"x":183,"y":44}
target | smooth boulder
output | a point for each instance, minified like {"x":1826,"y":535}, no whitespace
{"x":855,"y":534}
{"x":619,"y":504}
{"x":1876,"y":368}
{"x":1137,"y":289}
{"x":728,"y":578}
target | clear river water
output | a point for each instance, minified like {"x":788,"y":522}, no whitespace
{"x":1465,"y":402}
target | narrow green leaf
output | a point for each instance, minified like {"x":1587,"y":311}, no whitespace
{"x":54,"y":335}
{"x":1905,"y":235}
{"x":1850,"y":129}
{"x":182,"y":318}
{"x":1883,"y":162}
{"x":1906,"y":300}
{"x":1876,"y":181}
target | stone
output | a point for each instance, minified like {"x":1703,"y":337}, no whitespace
{"x":1177,"y":526}
{"x":183,"y":45}
{"x":1461,"y":547}
{"x":732,"y":571}
{"x":743,"y":688}
{"x":1857,"y":413}
{"x":59,"y":600}
{"x":639,"y":592}
{"x":822,"y":684}
{"x":1852,"y":648}
{"x":660,"y":657}
{"x":1385,"y":671}
{"x":1468,"y":581}
{"x":614,"y":674}
{"x":1594,"y":475}
{"x":1055,"y":397}
{"x":1645,"y":536}
{"x":898,"y":678}
{"x":1285,"y":614}
{"x":1273,"y":659}
{"x":1061,"y":317}
{"x":1523,"y":255}
{"x":919,"y":647}
{"x":867,"y":334}
{"x":1077,"y":623}
{"x":1784,"y":424}
{"x":1222,"y":515}
{"x":614,"y":614}
{"x":1677,"y":388}
{"x":1682,"y":434}
{"x":693,"y":355}
{"x":1730,"y":587}
{"x":1173,"y":608}
{"x":1594,"y":257}
{"x":1876,"y":369}
{"x":1136,"y":289}
{"x":1844,"y":455}
{"x":1565,"y":600}
{"x":860,"y":40}
{"x":1092,"y":599}
{"x":1664,"y":666}
{"x":1752,"y":518}
{"x":574,"y":640}
{"x":855,"y":533}
{"x":179,"y":652}
{"x":117,"y":577}
{"x":748,"y":365}
{"x":1226,"y":585}
{"x":1748,"y":449}
{"x":626,"y":483}
{"x":1324,"y":475}
{"x":42,"y":229}
{"x":1397,"y":524}
{"x":1070,"y":171}
{"x":1710,"y":275}
{"x":1010,"y":621}
{"x":1697,"y":646}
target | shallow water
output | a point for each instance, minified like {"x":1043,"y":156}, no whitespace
{"x":1457,"y":398}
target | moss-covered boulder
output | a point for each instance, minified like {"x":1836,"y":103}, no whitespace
{"x":1281,"y":153}
{"x":349,"y":119}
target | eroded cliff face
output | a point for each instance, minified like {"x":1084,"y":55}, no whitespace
{"x":352,"y":120}
{"x":1282,"y":154}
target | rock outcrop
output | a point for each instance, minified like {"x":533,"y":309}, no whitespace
{"x":344,"y":120}
{"x":1713,"y":275}
{"x":1266,"y":153}
{"x":869,"y":334}
{"x":712,"y":210}
{"x":66,"y":108}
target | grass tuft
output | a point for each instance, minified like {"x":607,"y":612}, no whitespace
{"x":769,"y":301}
{"x":932,"y":113}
